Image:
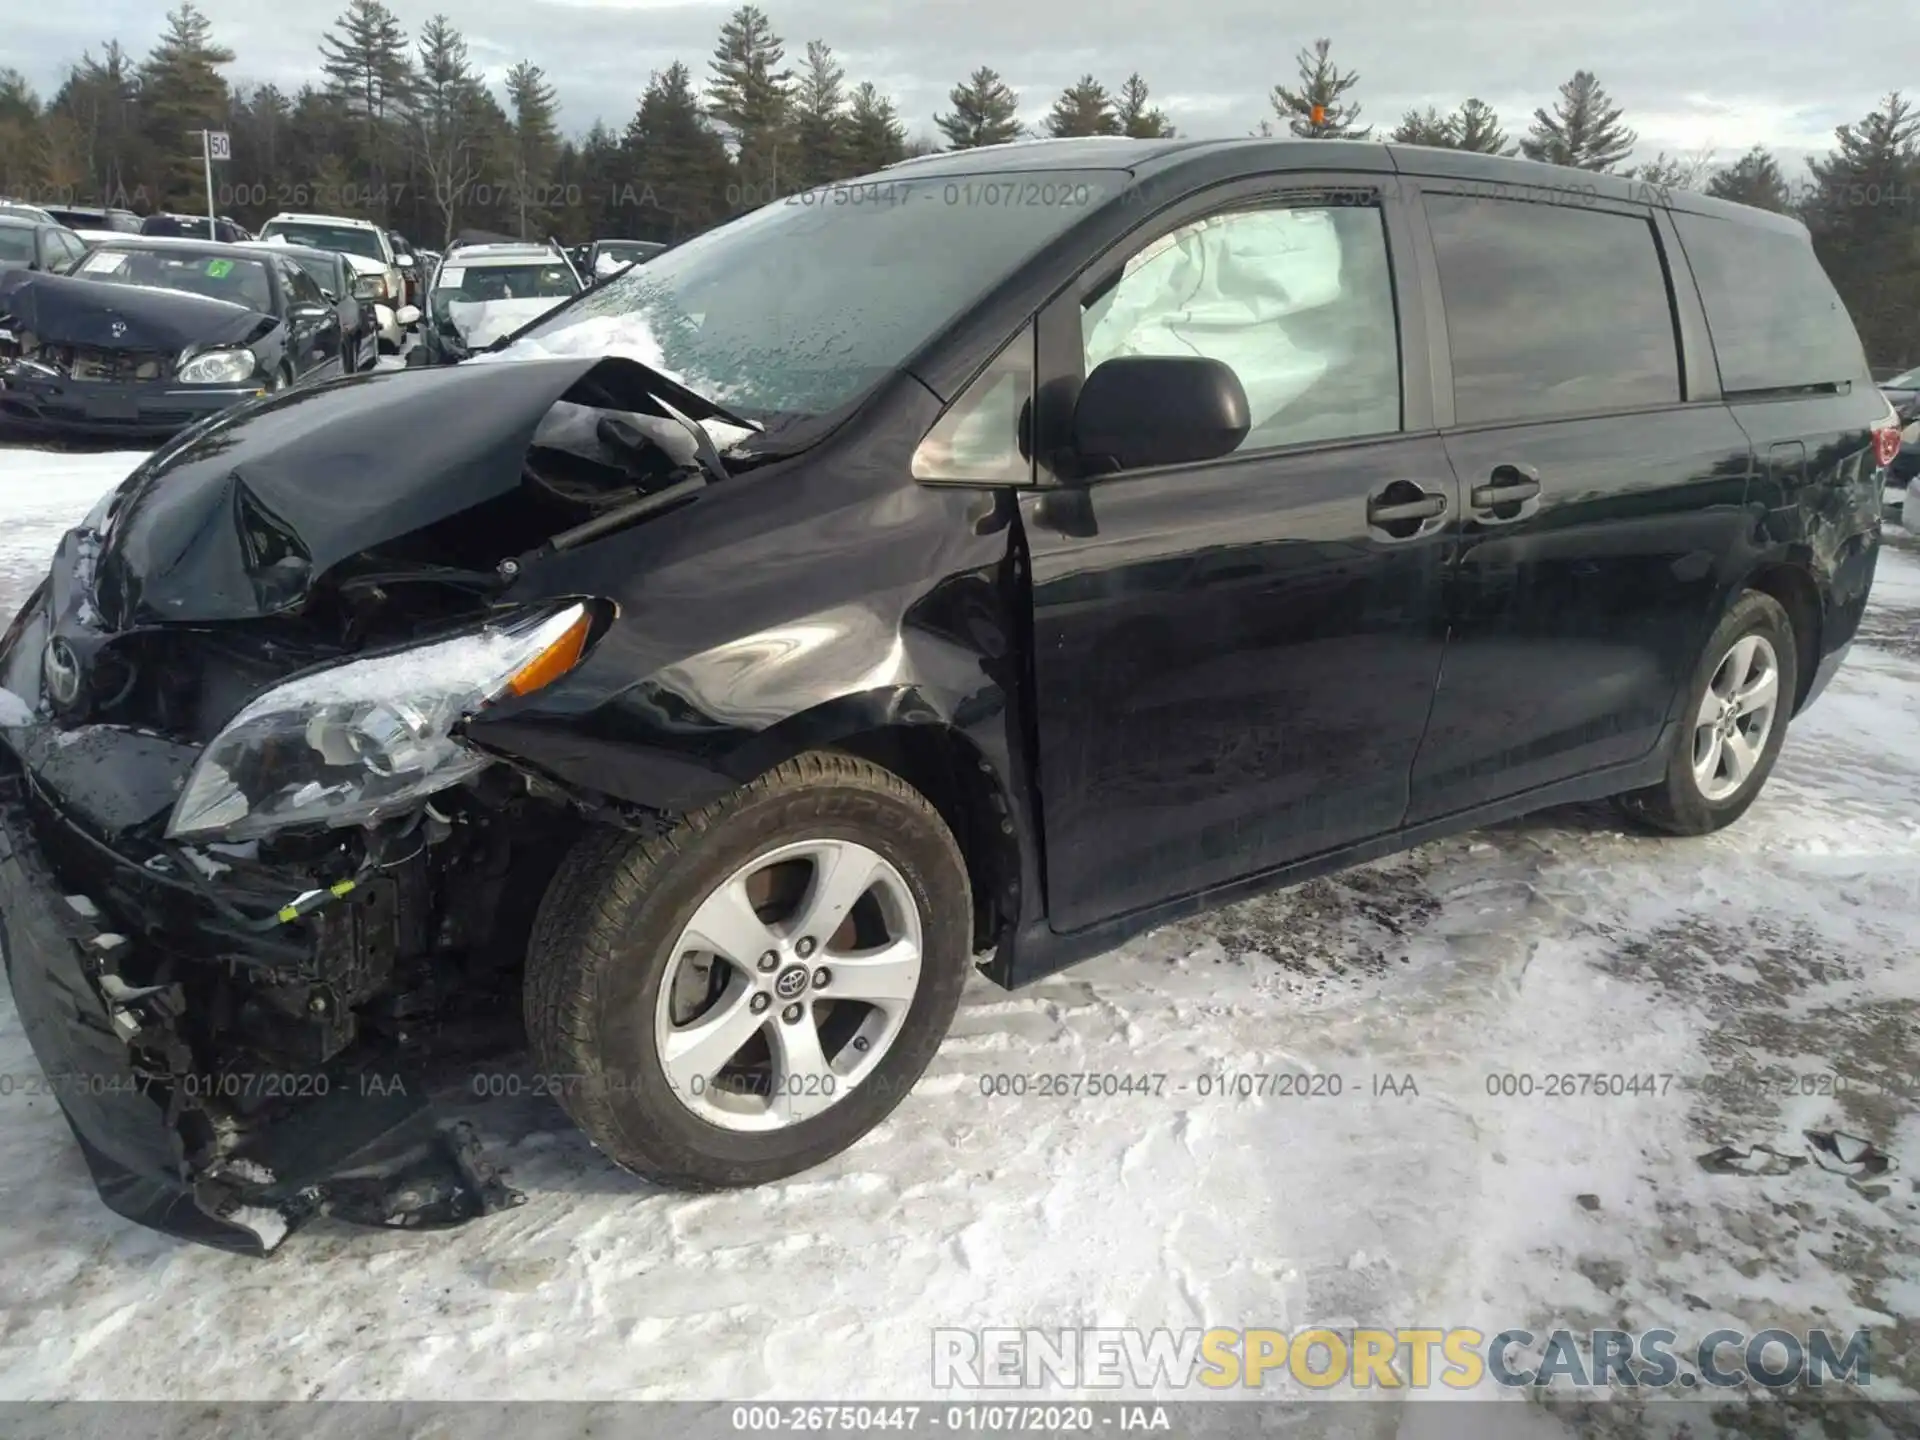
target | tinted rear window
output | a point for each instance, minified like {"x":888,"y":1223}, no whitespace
{"x":1551,"y":310}
{"x":1777,"y":321}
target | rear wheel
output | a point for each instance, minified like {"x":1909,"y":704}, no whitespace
{"x":748,"y":995}
{"x":1733,"y":726}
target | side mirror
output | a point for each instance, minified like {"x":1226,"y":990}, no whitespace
{"x":406,"y":315}
{"x":1139,"y":411}
{"x":330,"y":297}
{"x":405,"y":262}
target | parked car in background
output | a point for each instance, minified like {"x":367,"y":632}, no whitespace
{"x":149,"y":335}
{"x":20,"y":210}
{"x":610,"y":257}
{"x":223,"y":230}
{"x":28,"y":244}
{"x":96,"y":217}
{"x":360,"y":322}
{"x":481,"y":293}
{"x":379,"y":276}
{"x":1903,"y":393}
{"x":857,"y":595}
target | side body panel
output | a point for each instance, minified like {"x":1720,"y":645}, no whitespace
{"x":1577,"y":616}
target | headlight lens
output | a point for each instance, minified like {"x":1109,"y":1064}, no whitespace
{"x":219,"y":367}
{"x":354,"y":742}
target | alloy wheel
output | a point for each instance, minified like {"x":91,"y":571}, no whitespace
{"x":789,"y":985}
{"x":1735,"y":718}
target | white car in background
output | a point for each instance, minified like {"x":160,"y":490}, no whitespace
{"x":481,"y":293}
{"x":380,"y":270}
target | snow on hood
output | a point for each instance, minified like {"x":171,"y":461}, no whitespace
{"x":481,"y":322}
{"x":625,"y":337}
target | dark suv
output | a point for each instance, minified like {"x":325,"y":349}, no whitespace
{"x":1014,"y":550}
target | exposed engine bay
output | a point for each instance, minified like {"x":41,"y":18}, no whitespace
{"x":289,"y":893}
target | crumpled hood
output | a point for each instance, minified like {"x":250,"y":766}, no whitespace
{"x":62,"y":310}
{"x":481,"y":322}
{"x":241,"y":516}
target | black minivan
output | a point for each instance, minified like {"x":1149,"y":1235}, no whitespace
{"x":970,"y":565}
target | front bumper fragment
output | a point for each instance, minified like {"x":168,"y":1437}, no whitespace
{"x":147,"y":410}
{"x":163,"y":1149}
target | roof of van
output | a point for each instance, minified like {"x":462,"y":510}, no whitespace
{"x":1259,"y":153}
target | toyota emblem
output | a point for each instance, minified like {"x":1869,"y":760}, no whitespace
{"x":792,"y":982}
{"x":119,"y":329}
{"x":62,"y":669}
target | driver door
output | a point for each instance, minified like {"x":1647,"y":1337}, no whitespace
{"x":1235,"y":659}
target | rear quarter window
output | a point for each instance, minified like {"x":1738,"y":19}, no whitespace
{"x":1776,"y":320}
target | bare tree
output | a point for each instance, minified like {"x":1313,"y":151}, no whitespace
{"x":449,"y":122}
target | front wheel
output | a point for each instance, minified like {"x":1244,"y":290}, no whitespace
{"x":1733,"y":726}
{"x":747,"y":995}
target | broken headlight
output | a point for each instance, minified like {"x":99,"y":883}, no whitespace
{"x":355,"y":742}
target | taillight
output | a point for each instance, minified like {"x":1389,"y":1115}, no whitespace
{"x":1886,"y":439}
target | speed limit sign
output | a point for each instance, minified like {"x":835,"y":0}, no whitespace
{"x":219,"y":147}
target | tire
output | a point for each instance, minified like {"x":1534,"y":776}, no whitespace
{"x":1686,"y":803}
{"x":617,"y":925}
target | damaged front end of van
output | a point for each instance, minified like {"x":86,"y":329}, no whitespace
{"x":253,"y":866}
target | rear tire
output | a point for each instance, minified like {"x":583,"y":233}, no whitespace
{"x":677,"y":988}
{"x":1730,"y":732}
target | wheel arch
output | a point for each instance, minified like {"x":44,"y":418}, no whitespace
{"x":961,"y":772}
{"x":1797,"y":592}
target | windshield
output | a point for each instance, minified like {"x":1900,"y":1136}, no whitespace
{"x":217,"y":277}
{"x":1907,"y":380}
{"x":16,"y":245}
{"x":480,"y":283}
{"x":322,"y":272}
{"x":354,"y":241}
{"x":803,"y":305}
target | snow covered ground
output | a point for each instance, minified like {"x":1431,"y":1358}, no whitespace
{"x":1781,"y":948}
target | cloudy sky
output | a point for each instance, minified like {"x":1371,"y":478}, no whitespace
{"x":1691,"y":74}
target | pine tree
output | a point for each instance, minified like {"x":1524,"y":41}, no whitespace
{"x":448,"y":131}
{"x":1137,"y":118}
{"x":1474,"y":126}
{"x":1424,"y":127}
{"x":1753,"y":179}
{"x":365,"y":61}
{"x":22,"y":138}
{"x":535,"y":147}
{"x":182,"y":90}
{"x":820,"y":120}
{"x":750,"y":96}
{"x":985,"y":112}
{"x":1084,"y":108}
{"x":1477,"y":127}
{"x":1583,"y":129}
{"x":1316,"y":110}
{"x":875,"y":136}
{"x":1860,"y":209}
{"x":100,"y":101}
{"x":678,"y":164}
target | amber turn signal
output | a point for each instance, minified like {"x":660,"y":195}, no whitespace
{"x":554,"y":661}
